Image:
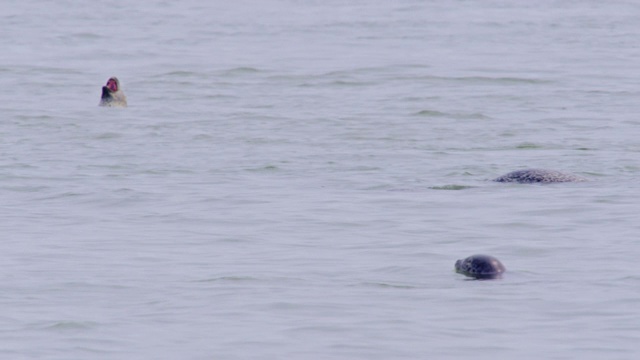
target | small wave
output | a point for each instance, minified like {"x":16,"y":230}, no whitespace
{"x":25,"y":188}
{"x":63,"y":195}
{"x":51,"y":70}
{"x":435,"y":113}
{"x":108,"y":135}
{"x":34,"y":117}
{"x":351,"y":83}
{"x":505,"y":80}
{"x":452,"y":187}
{"x":205,"y":137}
{"x":388,"y":286}
{"x":87,"y":35}
{"x":374,"y":70}
{"x":242,"y":70}
{"x":229,"y":279}
{"x":268,"y":168}
{"x":498,"y":80}
{"x":181,"y":73}
{"x":528,"y":145}
{"x":341,"y":83}
{"x":70,"y":325}
{"x":431,"y":113}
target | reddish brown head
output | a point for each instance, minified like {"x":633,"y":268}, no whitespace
{"x":113,"y":84}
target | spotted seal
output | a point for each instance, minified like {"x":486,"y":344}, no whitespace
{"x":542,"y":176}
{"x":112,"y":94}
{"x":480,"y":267}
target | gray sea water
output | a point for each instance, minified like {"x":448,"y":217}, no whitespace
{"x":295,"y":179}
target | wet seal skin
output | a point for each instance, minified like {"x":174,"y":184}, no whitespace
{"x":480,"y":267}
{"x":112,"y":94}
{"x":540,"y":176}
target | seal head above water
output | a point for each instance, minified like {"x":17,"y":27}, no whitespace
{"x":480,"y":267}
{"x":541,"y":176}
{"x":112,"y":94}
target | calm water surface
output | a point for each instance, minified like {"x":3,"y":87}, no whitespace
{"x":295,"y":180}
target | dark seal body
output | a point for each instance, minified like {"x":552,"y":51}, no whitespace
{"x":480,"y":267}
{"x":541,"y":176}
{"x":107,"y":96}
